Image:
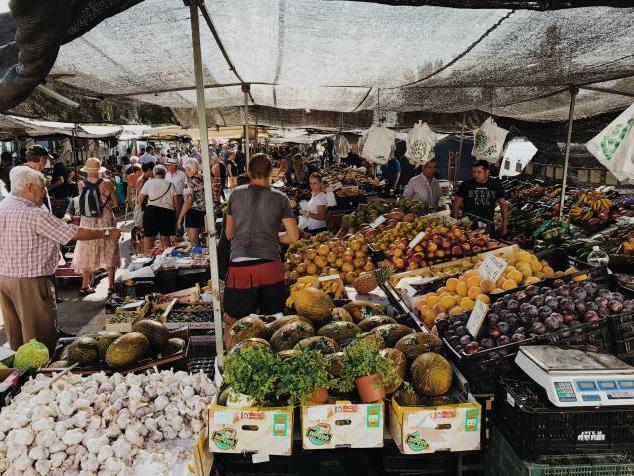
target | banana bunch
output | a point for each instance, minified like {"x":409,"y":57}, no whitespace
{"x":597,"y":201}
{"x":333,"y":287}
{"x":579,"y":214}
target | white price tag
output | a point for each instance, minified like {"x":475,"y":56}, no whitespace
{"x":318,"y":413}
{"x":260,"y":458}
{"x":417,"y":239}
{"x":334,"y":187}
{"x":223,"y":417}
{"x":476,"y":318}
{"x":329,"y":277}
{"x":378,"y":221}
{"x":492,"y":268}
{"x":409,"y":289}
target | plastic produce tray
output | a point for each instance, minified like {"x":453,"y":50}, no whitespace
{"x":202,"y":353}
{"x":535,"y":427}
{"x":502,"y":460}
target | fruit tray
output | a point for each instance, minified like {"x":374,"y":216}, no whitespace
{"x":484,"y":360}
{"x":535,"y":427}
{"x":502,"y":460}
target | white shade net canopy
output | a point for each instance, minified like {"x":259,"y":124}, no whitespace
{"x":351,"y":57}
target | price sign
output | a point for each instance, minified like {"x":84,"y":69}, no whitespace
{"x":334,"y":187}
{"x":476,"y":318}
{"x":417,"y":239}
{"x":492,"y":268}
{"x":330,"y":277}
{"x":378,"y":221}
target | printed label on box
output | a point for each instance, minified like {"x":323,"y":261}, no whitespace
{"x":319,"y":434}
{"x":225,"y":438}
{"x":280,"y":424}
{"x":373,"y":417}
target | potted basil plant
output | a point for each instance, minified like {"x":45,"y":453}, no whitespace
{"x":252,"y":374}
{"x":363,"y":367}
{"x":304,"y":378}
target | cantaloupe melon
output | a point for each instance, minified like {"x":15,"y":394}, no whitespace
{"x":431,"y":374}
{"x":313,"y":304}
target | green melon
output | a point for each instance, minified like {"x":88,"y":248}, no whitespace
{"x":127,"y":350}
{"x":372,"y":322}
{"x":432,"y":374}
{"x":174,"y":346}
{"x":322,"y":344}
{"x":287,"y":336}
{"x":83,"y":351}
{"x":413,"y":345}
{"x":339,"y":331}
{"x":250,"y":326}
{"x":104,"y":339}
{"x":156,"y":332}
{"x":392,"y":333}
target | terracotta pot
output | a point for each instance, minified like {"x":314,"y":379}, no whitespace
{"x":370,"y":388}
{"x":320,"y":396}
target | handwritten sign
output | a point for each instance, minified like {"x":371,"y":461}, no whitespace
{"x":417,"y":239}
{"x":476,"y":318}
{"x":330,"y":277}
{"x":378,"y":221}
{"x":492,"y":268}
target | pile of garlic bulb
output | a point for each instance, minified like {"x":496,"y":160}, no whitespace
{"x":97,"y":424}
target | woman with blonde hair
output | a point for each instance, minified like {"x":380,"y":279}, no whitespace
{"x":97,"y":198}
{"x":193,"y":211}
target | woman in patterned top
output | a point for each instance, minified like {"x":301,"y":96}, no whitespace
{"x":193,"y":211}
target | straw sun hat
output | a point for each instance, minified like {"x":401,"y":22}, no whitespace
{"x":93,"y":165}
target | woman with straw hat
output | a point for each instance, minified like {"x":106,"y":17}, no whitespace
{"x":97,"y":198}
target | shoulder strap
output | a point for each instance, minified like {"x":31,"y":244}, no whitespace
{"x":168,"y":189}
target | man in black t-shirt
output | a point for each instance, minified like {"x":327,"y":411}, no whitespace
{"x":479,"y":196}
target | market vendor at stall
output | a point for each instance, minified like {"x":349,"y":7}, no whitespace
{"x":424,"y":187}
{"x":316,"y":208}
{"x":29,"y":253}
{"x":480,"y":195}
{"x":255,"y":214}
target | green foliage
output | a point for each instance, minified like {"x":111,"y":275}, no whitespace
{"x":253,"y":372}
{"x":301,"y":375}
{"x":362,"y":358}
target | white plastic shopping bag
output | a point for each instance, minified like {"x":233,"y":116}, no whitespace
{"x":420,"y":144}
{"x":378,"y":144}
{"x":488,"y":141}
{"x":613,"y":147}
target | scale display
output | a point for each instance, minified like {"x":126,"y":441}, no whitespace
{"x":576,"y":378}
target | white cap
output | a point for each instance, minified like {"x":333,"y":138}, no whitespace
{"x":596,"y":248}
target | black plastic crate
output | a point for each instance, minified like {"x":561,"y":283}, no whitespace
{"x":622,"y":329}
{"x":393,"y":463}
{"x":202,"y":353}
{"x":535,"y":427}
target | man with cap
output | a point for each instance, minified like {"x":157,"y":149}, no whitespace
{"x":36,"y":158}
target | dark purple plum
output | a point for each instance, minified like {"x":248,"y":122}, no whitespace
{"x":497,"y":306}
{"x":604,"y":293}
{"x":503,"y":340}
{"x":517,"y":337}
{"x":461,"y":331}
{"x":512,"y":320}
{"x":574,"y":323}
{"x":564,"y":290}
{"x":454,"y":340}
{"x":538,"y":328}
{"x":591,"y":289}
{"x":504,"y":327}
{"x":502,"y":314}
{"x":521,"y":296}
{"x":493,"y":319}
{"x":512,"y":305}
{"x":579,"y":294}
{"x":615,"y":307}
{"x":464,"y":340}
{"x":507,"y":297}
{"x":580,"y":307}
{"x":591,"y":316}
{"x":552,"y":322}
{"x":523,"y":319}
{"x":545,"y":311}
{"x":617,"y":296}
{"x":471,"y":348}
{"x":537,"y":301}
{"x":455,"y":320}
{"x":551,"y":293}
{"x":545,"y":289}
{"x":601,"y":301}
{"x":532,"y":291}
{"x":590,"y":306}
{"x":520,"y":330}
{"x":557,"y":283}
{"x":487,"y":343}
{"x":524,"y":307}
{"x":532,"y":311}
{"x":567,"y":305}
{"x":552,"y":303}
{"x":568,"y":317}
{"x":494,"y":331}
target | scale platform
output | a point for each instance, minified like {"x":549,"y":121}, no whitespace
{"x":577,"y":378}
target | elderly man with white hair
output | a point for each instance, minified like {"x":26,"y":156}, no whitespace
{"x":29,"y":251}
{"x":193,"y":211}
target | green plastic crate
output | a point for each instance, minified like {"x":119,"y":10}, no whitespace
{"x":503,"y":461}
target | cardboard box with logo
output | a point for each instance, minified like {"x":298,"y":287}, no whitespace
{"x":418,"y":430}
{"x":251,"y":430}
{"x":342,"y":425}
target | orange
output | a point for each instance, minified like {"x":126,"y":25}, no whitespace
{"x":428,"y":315}
{"x":509,"y":284}
{"x":500,"y":282}
{"x":446,"y":302}
{"x":451,"y":284}
{"x":471,"y":272}
{"x":467,"y":304}
{"x":474,"y":291}
{"x":473,"y":281}
{"x":484,"y":298}
{"x":461,"y":289}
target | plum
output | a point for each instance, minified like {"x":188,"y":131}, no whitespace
{"x":504,"y":327}
{"x":507,"y":297}
{"x":574,"y":323}
{"x":497,"y":306}
{"x":464,"y":340}
{"x":520,"y":330}
{"x":580,"y":307}
{"x":568,"y":317}
{"x":545,"y":311}
{"x":604,"y":293}
{"x":471,"y":348}
{"x":579,"y":294}
{"x":503,"y":340}
{"x":524,"y":307}
{"x":590,"y":306}
{"x":591,"y":289}
{"x":494,"y":331}
{"x":454,"y":340}
{"x":551,"y":293}
{"x":532,"y":311}
{"x":552,"y":322}
{"x":591,"y":316}
{"x":567,"y":305}
{"x":517,"y":337}
{"x":545,"y":289}
{"x":537,"y":301}
{"x":552,"y":303}
{"x":503,"y":313}
{"x":617,"y":296}
{"x":628,"y":305}
{"x":557,"y":283}
{"x":532,"y":291}
{"x":493,"y":319}
{"x":615,"y":307}
{"x":521,"y":296}
{"x":512,"y":305}
{"x":487,"y":343}
{"x":601,"y":301}
{"x":512,"y":320}
{"x":455,"y":320}
{"x":461,"y":331}
{"x":523,"y":319}
{"x":538,"y":328}
{"x":564,"y":290}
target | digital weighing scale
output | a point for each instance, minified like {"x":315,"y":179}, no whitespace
{"x":576,"y":378}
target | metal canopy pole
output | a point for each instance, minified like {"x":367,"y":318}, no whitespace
{"x":209,"y":202}
{"x":573,"y":95}
{"x":245,"y":90}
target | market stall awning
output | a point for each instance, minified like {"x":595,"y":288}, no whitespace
{"x":178,"y":133}
{"x":13,"y":126}
{"x":348,"y":57}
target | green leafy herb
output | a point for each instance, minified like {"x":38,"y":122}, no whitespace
{"x":302,"y":375}
{"x":253,"y":372}
{"x":362,"y":358}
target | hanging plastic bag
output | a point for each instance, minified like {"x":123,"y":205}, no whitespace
{"x":488,"y":141}
{"x":342,"y":146}
{"x":420,"y":144}
{"x":378,"y":144}
{"x":613,"y":147}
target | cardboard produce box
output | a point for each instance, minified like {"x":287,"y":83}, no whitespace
{"x":11,"y":381}
{"x":453,"y":427}
{"x":250,"y":430}
{"x":342,"y":425}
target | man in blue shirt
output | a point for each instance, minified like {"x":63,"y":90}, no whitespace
{"x":391,"y":173}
